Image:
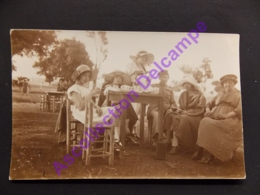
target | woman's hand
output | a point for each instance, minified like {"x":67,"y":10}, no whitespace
{"x":179,"y":110}
{"x":207,"y":112}
{"x":96,"y":91}
{"x":99,"y":111}
{"x":222,"y":116}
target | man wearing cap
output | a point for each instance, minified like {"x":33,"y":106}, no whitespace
{"x":168,"y":102}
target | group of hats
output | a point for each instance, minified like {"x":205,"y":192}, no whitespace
{"x":126,"y":78}
{"x":149,"y":59}
{"x":84,"y":68}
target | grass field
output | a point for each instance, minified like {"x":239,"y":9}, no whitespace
{"x":34,"y":95}
{"x":35,"y":148}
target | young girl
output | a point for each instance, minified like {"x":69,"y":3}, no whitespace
{"x":80,"y":95}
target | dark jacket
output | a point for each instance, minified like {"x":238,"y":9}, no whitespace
{"x":168,"y":100}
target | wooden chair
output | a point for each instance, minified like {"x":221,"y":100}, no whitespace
{"x":77,"y":131}
{"x":74,"y":129}
{"x":44,"y":103}
{"x":106,"y":138}
{"x":55,"y":103}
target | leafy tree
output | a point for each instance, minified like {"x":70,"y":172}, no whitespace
{"x":201,"y":74}
{"x":31,"y":42}
{"x":100,"y":41}
{"x":62,"y":61}
{"x":48,"y":78}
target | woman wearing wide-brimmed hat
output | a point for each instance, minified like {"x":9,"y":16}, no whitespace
{"x":80,"y":95}
{"x":138,"y":67}
{"x":113,"y":81}
{"x":139,"y":63}
{"x":220,"y":131}
{"x":184,"y":121}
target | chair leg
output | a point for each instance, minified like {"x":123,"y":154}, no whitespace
{"x":88,"y":154}
{"x":107,"y":137}
{"x":68,"y":138}
{"x":149,"y":131}
{"x":83,"y":145}
{"x":111,"y":146}
{"x":105,"y":143}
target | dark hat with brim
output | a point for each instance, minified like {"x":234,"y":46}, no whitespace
{"x":228,"y":77}
{"x":126,"y":77}
{"x":79,"y":70}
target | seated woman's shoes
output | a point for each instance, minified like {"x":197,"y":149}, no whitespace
{"x":174,"y":150}
{"x":197,"y":155}
{"x":118,"y":146}
{"x":131,"y":139}
{"x":205,"y":160}
{"x":136,"y":137}
{"x":207,"y":157}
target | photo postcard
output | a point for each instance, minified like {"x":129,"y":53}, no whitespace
{"x":112,"y":104}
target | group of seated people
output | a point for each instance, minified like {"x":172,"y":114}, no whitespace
{"x":209,"y":130}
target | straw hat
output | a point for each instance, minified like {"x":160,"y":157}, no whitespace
{"x":191,"y":80}
{"x":79,"y":70}
{"x":126,"y":77}
{"x":229,"y":77}
{"x":150,"y":57}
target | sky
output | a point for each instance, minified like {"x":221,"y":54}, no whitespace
{"x":221,"y":49}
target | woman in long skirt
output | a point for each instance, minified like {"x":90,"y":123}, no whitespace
{"x":184,"y":121}
{"x":220,"y":132}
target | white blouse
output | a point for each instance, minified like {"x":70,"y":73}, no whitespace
{"x":80,"y":115}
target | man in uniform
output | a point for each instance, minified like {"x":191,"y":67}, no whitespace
{"x":168,"y":102}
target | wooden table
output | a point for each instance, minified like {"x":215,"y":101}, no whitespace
{"x":54,"y":94}
{"x":143,"y":98}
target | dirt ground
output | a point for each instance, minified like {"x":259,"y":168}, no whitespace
{"x":35,"y":149}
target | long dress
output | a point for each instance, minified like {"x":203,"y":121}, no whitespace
{"x":186,"y":125}
{"x":222,"y":137}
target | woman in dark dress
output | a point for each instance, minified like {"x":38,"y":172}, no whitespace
{"x":184,"y":121}
{"x":113,"y":81}
{"x":220,"y":131}
{"x":25,"y":86}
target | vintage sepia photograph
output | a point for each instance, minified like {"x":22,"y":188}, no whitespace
{"x":130,"y":105}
